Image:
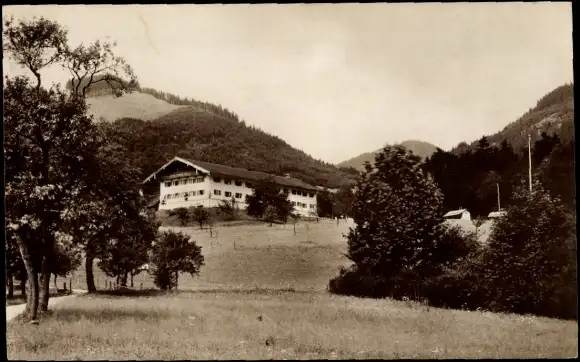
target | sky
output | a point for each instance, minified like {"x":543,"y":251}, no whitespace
{"x":337,"y":80}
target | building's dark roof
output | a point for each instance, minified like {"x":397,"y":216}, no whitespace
{"x":239,"y":173}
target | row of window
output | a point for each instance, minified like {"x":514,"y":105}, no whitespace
{"x":302,"y":193}
{"x":249,"y":185}
{"x":227,"y":194}
{"x":185,"y":181}
{"x":302,"y":205}
{"x":184,"y":194}
{"x":229,"y":182}
{"x":192,"y":180}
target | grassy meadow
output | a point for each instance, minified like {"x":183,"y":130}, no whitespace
{"x":261,"y":295}
{"x":242,"y":255}
{"x":278,"y":325}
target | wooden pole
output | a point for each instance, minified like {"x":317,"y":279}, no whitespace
{"x":530,"y":159}
{"x":498,"y":204}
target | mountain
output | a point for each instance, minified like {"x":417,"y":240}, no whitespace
{"x":155,"y":126}
{"x":202,"y":135}
{"x":420,"y":148}
{"x":553,"y":114}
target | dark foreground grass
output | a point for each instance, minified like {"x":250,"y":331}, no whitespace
{"x":265,"y":324}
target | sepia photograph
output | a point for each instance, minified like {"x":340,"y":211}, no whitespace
{"x":289,"y":181}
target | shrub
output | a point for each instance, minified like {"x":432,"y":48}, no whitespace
{"x":457,"y":287}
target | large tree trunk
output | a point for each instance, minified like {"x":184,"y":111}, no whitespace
{"x":45,"y":269}
{"x":131,"y":280}
{"x":55,"y":283}
{"x":10,"y":285}
{"x":31,"y":310}
{"x":89,"y":273}
{"x":45,"y":283}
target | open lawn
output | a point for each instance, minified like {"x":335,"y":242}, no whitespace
{"x":274,"y":324}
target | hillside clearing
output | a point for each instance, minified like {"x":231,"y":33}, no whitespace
{"x":132,"y":105}
{"x":217,"y":325}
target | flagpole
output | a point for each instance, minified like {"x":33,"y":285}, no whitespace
{"x":530,"y":159}
{"x":498,"y":204}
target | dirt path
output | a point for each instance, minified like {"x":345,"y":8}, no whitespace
{"x":13,"y":311}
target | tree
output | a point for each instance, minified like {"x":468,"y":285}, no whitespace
{"x":13,"y":264}
{"x":228,"y":207}
{"x":96,"y":63}
{"x":530,"y":261}
{"x":50,"y":148}
{"x":557,"y":174}
{"x":49,"y":141}
{"x":182,"y":215}
{"x":324,"y":204}
{"x":111,"y":199}
{"x":126,"y":253}
{"x":543,"y":147}
{"x":67,"y":257}
{"x":174,"y":253}
{"x":267,"y":194}
{"x":34,"y":44}
{"x":343,"y":201}
{"x":270,"y":214}
{"x":200,"y":215}
{"x":399,"y":239}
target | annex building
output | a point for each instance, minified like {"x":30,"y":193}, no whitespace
{"x":186,"y":183}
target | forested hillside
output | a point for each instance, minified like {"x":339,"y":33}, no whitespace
{"x":469,"y":176}
{"x":553,"y":114}
{"x":205,"y":132}
{"x":205,"y":136}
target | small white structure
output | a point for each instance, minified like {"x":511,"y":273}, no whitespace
{"x":462,"y":214}
{"x":186,"y":183}
{"x":496,"y":214}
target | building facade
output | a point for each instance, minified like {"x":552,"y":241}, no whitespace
{"x":187,"y":183}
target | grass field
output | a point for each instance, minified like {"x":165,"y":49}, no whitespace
{"x":257,"y":256}
{"x":261,"y":295}
{"x":293,"y":325}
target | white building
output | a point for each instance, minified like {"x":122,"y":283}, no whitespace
{"x":186,"y":183}
{"x":462,"y":214}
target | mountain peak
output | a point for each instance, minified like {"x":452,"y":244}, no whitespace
{"x":420,"y":148}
